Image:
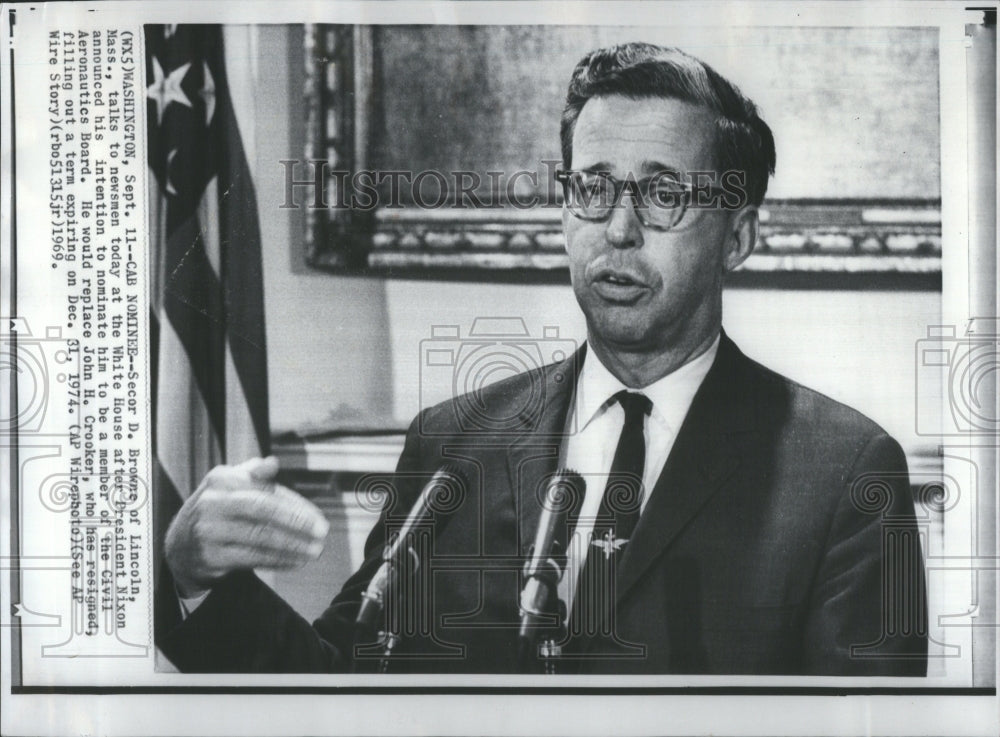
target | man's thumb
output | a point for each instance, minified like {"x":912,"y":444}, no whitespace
{"x":260,"y":469}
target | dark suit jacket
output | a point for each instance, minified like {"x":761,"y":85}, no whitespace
{"x":779,"y":539}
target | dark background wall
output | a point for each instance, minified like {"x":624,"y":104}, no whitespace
{"x":854,"y":110}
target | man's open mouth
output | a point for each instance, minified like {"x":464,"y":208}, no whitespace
{"x":616,"y":279}
{"x":618,"y":286}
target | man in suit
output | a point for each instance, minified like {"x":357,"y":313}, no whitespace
{"x":769,"y":529}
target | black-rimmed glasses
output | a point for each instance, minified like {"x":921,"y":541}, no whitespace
{"x":660,"y":200}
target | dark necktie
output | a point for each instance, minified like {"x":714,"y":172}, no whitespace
{"x":593,"y":602}
{"x":622,"y":499}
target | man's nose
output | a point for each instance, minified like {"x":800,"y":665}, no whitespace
{"x":624,"y":229}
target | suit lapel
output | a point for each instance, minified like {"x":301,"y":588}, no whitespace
{"x":704,"y":456}
{"x":534,"y":456}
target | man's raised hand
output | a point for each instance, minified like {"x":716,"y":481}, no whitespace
{"x":240,"y":518}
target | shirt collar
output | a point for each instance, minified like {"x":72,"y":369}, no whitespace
{"x":671,"y":395}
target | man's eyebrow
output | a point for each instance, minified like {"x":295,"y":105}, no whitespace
{"x":655,"y":167}
{"x":648,"y":168}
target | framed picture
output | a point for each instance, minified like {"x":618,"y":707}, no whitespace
{"x":432,"y":150}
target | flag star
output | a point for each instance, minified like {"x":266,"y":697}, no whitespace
{"x":166,"y":173}
{"x":207,"y":93}
{"x":167,"y":89}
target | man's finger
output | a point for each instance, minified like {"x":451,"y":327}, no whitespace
{"x":243,"y":556}
{"x":320,"y":524}
{"x":260,"y":469}
{"x":283,"y":509}
{"x":265,"y":537}
{"x":256,"y":473}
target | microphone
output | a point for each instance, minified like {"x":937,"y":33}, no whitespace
{"x":441,"y":494}
{"x":540,"y":610}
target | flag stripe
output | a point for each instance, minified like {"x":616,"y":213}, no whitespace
{"x":242,"y":277}
{"x":189,"y":445}
{"x":241,"y":58}
{"x":243,"y":285}
{"x":240,"y":442}
{"x":193,"y":305}
{"x":208,"y":218}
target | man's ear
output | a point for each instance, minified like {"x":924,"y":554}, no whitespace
{"x":744,"y":230}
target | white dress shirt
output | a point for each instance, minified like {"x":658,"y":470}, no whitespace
{"x":594,"y":424}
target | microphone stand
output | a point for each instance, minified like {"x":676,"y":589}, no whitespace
{"x":388,"y":636}
{"x":543,"y":616}
{"x":386,"y":600}
{"x":383,"y":597}
{"x":550,"y":646}
{"x":391,"y":640}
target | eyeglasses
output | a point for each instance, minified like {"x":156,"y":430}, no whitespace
{"x":660,"y":201}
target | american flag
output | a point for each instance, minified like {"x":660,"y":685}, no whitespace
{"x":208,"y":353}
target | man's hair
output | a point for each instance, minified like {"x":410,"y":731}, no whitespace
{"x":743,"y":142}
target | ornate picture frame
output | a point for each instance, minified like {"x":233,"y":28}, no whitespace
{"x":875,"y":242}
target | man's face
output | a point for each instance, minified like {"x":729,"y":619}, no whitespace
{"x":644,"y":290}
